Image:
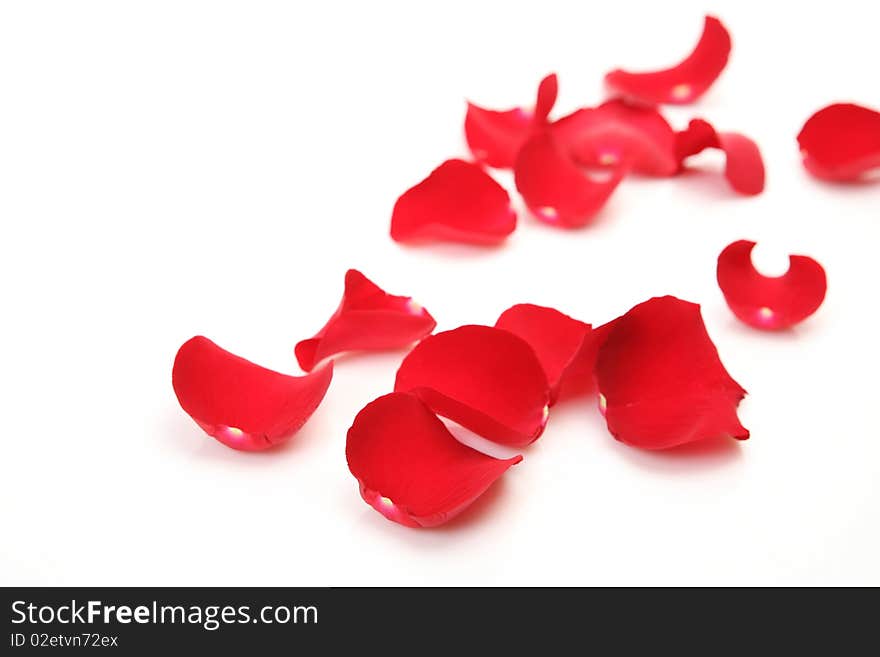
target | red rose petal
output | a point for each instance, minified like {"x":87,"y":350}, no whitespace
{"x":409,"y":466}
{"x":766,"y":302}
{"x":555,"y":189}
{"x":617,"y":133}
{"x":367,"y":319}
{"x":559,"y":341}
{"x":685,"y":82}
{"x":841,"y":142}
{"x":458,"y":202}
{"x":495,"y":137}
{"x":486,"y":379}
{"x":660,"y":379}
{"x":241,"y":404}
{"x":744,"y":168}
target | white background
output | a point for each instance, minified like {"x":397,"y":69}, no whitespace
{"x":178,"y":168}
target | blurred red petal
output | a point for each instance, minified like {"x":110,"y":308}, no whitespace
{"x":617,"y":133}
{"x":495,"y":137}
{"x":409,"y":466}
{"x":555,"y":190}
{"x":767,"y":302}
{"x":241,"y":404}
{"x":558,"y":340}
{"x":458,"y":202}
{"x":685,"y":82}
{"x":660,"y":379}
{"x":485,"y":379}
{"x":367,"y":319}
{"x":744,"y":168}
{"x":841,"y":142}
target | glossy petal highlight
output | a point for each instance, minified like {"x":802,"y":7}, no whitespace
{"x":765,"y":302}
{"x":485,"y":379}
{"x":555,"y":190}
{"x":243,"y":405}
{"x":685,"y":82}
{"x":367,"y":319}
{"x":409,"y":466}
{"x":616,"y":134}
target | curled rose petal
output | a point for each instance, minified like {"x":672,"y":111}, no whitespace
{"x":841,"y":142}
{"x":555,"y":189}
{"x":767,"y":302}
{"x":685,"y":82}
{"x":660,"y":379}
{"x":458,"y":202}
{"x":617,"y":133}
{"x":367,"y":319}
{"x":409,"y":466}
{"x":559,"y":341}
{"x":495,"y":137}
{"x":744,"y":168}
{"x":241,"y":404}
{"x":486,"y":379}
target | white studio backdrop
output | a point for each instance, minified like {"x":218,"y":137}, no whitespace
{"x":178,"y":168}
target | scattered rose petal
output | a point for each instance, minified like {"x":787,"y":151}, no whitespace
{"x":241,"y":404}
{"x":769,"y":302}
{"x":458,"y":202}
{"x":618,"y":133}
{"x":410,"y":468}
{"x":559,"y":341}
{"x":495,"y":137}
{"x":660,"y":379}
{"x":744,"y":168}
{"x":555,"y":189}
{"x":685,"y":82}
{"x":841,"y":142}
{"x":486,"y":379}
{"x":367,"y":319}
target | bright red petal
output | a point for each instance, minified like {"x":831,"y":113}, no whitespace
{"x":685,"y":82}
{"x":367,"y":319}
{"x":241,"y":404}
{"x":558,"y":340}
{"x":485,"y":379}
{"x":617,"y":133}
{"x":555,"y":189}
{"x":458,"y":202}
{"x":766,"y":302}
{"x":841,"y":142}
{"x":410,"y":468}
{"x":744,"y":168}
{"x":660,"y":379}
{"x":495,"y":137}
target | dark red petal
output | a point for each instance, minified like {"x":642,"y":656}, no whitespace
{"x":617,"y":133}
{"x":486,"y":379}
{"x":241,"y":404}
{"x":410,"y":468}
{"x":841,"y":142}
{"x":767,"y":302}
{"x":558,"y":340}
{"x":367,"y":319}
{"x":744,"y":168}
{"x":555,"y":189}
{"x":685,"y":82}
{"x":458,"y":202}
{"x":495,"y":137}
{"x":660,"y":379}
